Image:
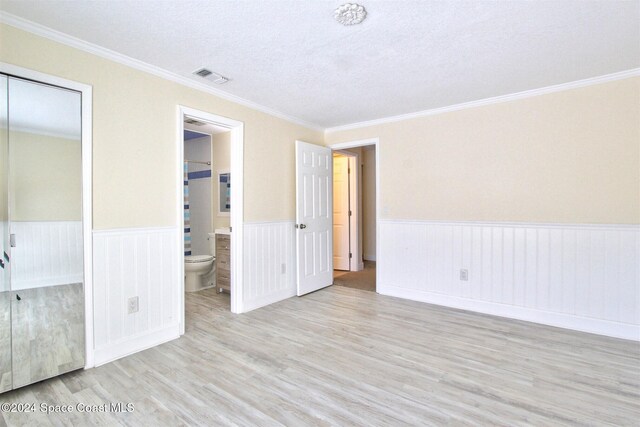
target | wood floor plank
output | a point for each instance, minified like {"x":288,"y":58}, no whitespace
{"x":344,"y":356}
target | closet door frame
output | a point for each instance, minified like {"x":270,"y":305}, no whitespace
{"x":87,"y":224}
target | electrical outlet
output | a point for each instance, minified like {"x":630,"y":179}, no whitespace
{"x":464,"y":274}
{"x":283,"y":268}
{"x":132,"y":305}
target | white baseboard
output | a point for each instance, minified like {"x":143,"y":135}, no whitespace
{"x":355,"y":266}
{"x":269,"y":299}
{"x":47,"y":281}
{"x":135,"y":343}
{"x":368,"y":257}
{"x":584,"y":277}
{"x":560,"y":320}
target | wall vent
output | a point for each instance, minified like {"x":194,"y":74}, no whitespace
{"x":203,"y":72}
{"x":211,"y":76}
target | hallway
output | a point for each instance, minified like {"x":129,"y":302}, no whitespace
{"x":364,"y":280}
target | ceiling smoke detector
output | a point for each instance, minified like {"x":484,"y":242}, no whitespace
{"x":350,"y":14}
{"x":210,"y":75}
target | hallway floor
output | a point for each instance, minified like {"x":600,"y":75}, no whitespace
{"x":343,"y":356}
{"x":364,"y":280}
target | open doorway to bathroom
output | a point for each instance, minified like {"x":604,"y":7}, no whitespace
{"x":354,"y":217}
{"x":210,"y":211}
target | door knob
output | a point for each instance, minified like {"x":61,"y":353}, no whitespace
{"x":302,"y":226}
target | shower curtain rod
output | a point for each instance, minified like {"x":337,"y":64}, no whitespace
{"x":197,"y":161}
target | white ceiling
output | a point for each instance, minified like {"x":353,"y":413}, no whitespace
{"x":407,"y":56}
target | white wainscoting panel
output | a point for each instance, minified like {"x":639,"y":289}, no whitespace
{"x":269,"y":263}
{"x":129,"y":263}
{"x":47,"y":253}
{"x":582,"y":277}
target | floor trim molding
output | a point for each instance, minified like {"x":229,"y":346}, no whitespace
{"x":560,"y":320}
{"x":253,"y":304}
{"x":577,"y":276}
{"x":136,"y":343}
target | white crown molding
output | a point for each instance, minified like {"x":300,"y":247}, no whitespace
{"x":48,"y":33}
{"x":494,"y":100}
{"x":57,"y":36}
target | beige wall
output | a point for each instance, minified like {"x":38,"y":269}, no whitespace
{"x":570,"y":157}
{"x":45,"y":178}
{"x":221,"y":161}
{"x":566,"y":157}
{"x":134,"y":131}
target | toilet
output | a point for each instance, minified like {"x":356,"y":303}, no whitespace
{"x":199,"y":269}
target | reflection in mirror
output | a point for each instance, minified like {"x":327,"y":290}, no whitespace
{"x":224,"y":193}
{"x":5,"y":304}
{"x":45,"y":217}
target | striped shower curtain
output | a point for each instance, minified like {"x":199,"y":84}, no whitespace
{"x":187,"y":215}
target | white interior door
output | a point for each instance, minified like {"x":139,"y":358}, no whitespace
{"x":341,"y":230}
{"x":314,"y":220}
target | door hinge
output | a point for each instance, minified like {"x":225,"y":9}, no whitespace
{"x":349,"y":213}
{"x":350,"y":255}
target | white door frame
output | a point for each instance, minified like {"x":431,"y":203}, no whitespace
{"x":355,"y":203}
{"x":361,"y":143}
{"x":87,"y":184}
{"x":237,"y":216}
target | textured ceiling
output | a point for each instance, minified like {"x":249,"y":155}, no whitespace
{"x":407,"y":56}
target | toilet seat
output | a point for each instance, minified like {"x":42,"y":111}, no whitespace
{"x":198,"y":258}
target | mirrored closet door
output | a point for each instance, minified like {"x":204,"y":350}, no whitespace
{"x":5,"y":289}
{"x":42,"y":277}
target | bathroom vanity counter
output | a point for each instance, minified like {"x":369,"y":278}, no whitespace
{"x":223,"y":261}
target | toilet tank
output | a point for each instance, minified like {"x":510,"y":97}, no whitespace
{"x":212,"y":244}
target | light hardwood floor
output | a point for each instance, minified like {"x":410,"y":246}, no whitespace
{"x":344,"y":356}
